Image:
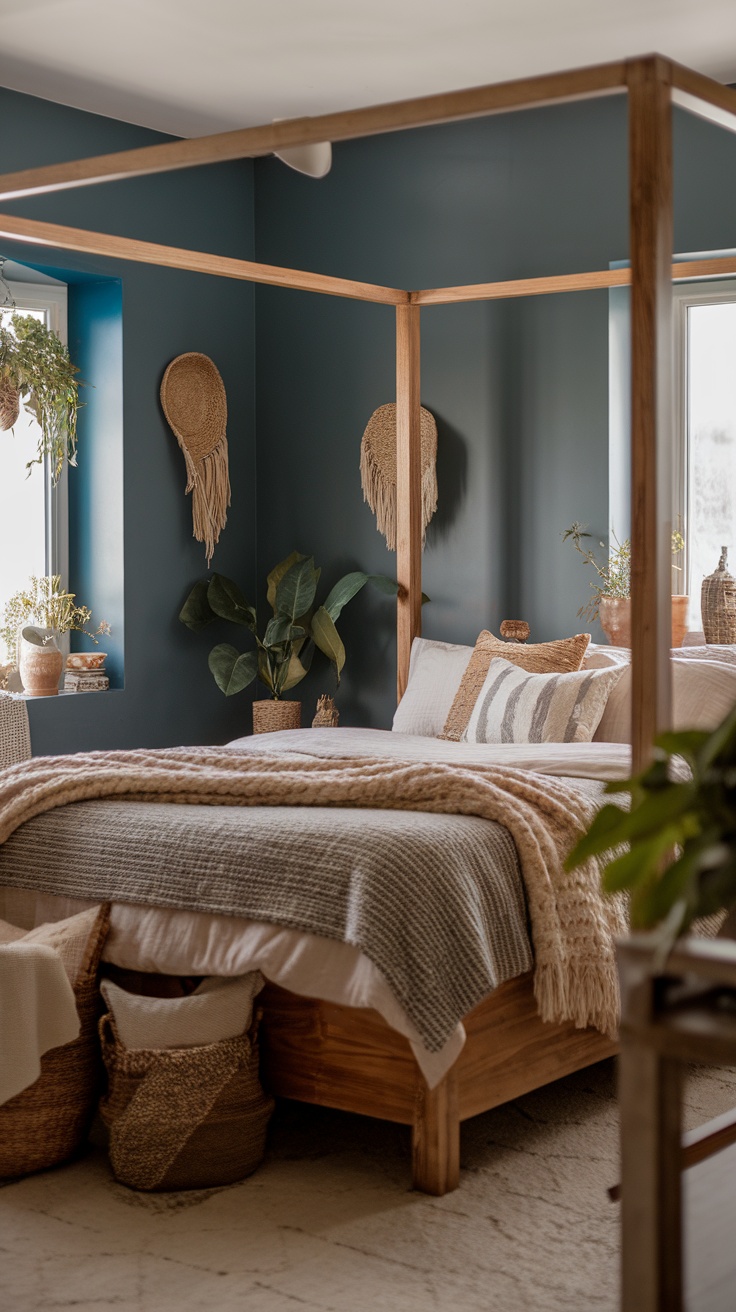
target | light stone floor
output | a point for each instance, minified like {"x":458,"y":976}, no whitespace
{"x":329,"y":1222}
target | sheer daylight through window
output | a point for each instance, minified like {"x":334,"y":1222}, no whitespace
{"x":711,"y":424}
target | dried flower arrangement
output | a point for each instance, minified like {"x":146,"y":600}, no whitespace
{"x":615,"y":574}
{"x":46,"y":603}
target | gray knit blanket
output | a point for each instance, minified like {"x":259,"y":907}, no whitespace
{"x":435,"y":901}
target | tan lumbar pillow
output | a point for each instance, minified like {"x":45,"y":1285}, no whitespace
{"x":563,"y":656}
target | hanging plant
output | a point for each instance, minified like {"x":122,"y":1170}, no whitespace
{"x":36,"y":372}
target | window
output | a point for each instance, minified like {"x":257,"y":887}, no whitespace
{"x":705,"y":460}
{"x":33,"y":513}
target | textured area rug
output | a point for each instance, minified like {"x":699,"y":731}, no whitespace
{"x":329,"y":1223}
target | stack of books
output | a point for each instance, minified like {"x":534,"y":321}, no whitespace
{"x":86,"y":680}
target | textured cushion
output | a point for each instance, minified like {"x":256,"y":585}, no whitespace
{"x":703,"y":691}
{"x":68,"y":938}
{"x":435,"y":671}
{"x":515,"y":706}
{"x":560,"y":657}
{"x":218,"y":1009}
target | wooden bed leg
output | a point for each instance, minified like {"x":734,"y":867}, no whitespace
{"x":435,"y":1138}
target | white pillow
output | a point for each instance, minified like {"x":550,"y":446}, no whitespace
{"x":218,"y":1009}
{"x":435,"y":672}
{"x":515,"y":706}
{"x":703,"y":691}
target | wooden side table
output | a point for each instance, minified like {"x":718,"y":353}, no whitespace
{"x":668,"y":1020}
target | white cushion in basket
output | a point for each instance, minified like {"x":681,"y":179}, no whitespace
{"x":69,"y":938}
{"x":435,"y":672}
{"x":703,"y":689}
{"x":218,"y":1009}
{"x":514,"y":706}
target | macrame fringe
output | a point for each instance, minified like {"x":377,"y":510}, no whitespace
{"x":381,"y":496}
{"x":209,"y":482}
{"x":584,"y":995}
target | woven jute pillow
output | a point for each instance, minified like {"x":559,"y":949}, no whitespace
{"x":562,"y":656}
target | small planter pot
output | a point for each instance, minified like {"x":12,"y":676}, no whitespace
{"x":40,"y":662}
{"x":270,"y":716}
{"x":615,"y":617}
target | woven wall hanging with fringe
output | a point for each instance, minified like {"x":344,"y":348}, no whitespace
{"x":378,"y":469}
{"x":194,"y":402}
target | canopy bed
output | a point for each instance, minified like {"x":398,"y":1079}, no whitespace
{"x":348,"y":1057}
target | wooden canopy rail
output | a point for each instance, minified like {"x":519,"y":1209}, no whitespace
{"x":340,"y":1056}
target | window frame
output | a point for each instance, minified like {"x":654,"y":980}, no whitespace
{"x":703,"y":292}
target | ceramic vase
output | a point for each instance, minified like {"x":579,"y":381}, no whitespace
{"x":272,"y":715}
{"x":615,"y":617}
{"x":40,"y":662}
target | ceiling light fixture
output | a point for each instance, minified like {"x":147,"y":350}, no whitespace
{"x":314,"y":160}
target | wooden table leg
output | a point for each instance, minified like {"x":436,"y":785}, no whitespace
{"x":436,"y":1138}
{"x":651,"y":1199}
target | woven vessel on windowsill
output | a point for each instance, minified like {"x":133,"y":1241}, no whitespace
{"x":48,"y":1122}
{"x":270,"y":716}
{"x":718,"y":603}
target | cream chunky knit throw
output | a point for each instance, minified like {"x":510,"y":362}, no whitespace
{"x":573,"y":926}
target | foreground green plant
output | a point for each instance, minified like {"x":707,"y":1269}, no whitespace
{"x":36,"y":365}
{"x":285,"y":648}
{"x":44,"y":602}
{"x":694,"y":817}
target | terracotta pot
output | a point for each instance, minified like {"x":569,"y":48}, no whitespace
{"x":615,"y":617}
{"x":270,"y":716}
{"x":41,"y":662}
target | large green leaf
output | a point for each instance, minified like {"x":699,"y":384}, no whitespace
{"x":295,"y":592}
{"x":264,"y":671}
{"x":231,"y":670}
{"x":276,"y":575}
{"x":228,"y":602}
{"x":328,"y":639}
{"x":280,"y":629}
{"x":295,"y":672}
{"x":637,"y":866}
{"x":196,"y":612}
{"x":343,"y":592}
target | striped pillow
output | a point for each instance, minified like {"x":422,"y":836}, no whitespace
{"x":514,"y":706}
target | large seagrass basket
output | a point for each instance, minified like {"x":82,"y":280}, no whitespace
{"x":184,"y":1118}
{"x":48,"y":1122}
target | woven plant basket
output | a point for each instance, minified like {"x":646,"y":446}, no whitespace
{"x":48,"y":1122}
{"x":9,"y":404}
{"x":718,"y":603}
{"x":270,"y":716}
{"x":184,"y":1118}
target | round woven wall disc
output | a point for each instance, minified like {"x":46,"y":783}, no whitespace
{"x":194,"y":402}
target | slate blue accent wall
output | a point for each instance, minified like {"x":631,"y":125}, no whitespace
{"x":169,"y":696}
{"x":519,"y":388}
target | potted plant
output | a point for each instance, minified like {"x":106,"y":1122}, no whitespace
{"x":611,"y":599}
{"x":33,"y":620}
{"x":689,"y":813}
{"x":37,"y":373}
{"x":284,"y":648}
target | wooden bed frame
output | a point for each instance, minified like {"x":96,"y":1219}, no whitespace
{"x":347,"y":1058}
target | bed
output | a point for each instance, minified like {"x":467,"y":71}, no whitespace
{"x":393,"y":1040}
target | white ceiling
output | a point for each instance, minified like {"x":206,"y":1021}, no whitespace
{"x":195,"y":66}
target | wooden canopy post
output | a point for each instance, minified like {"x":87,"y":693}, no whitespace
{"x":650,"y":199}
{"x":408,"y":490}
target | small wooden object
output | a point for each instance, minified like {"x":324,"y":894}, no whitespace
{"x":515,"y":630}
{"x":718,"y":603}
{"x":328,"y":716}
